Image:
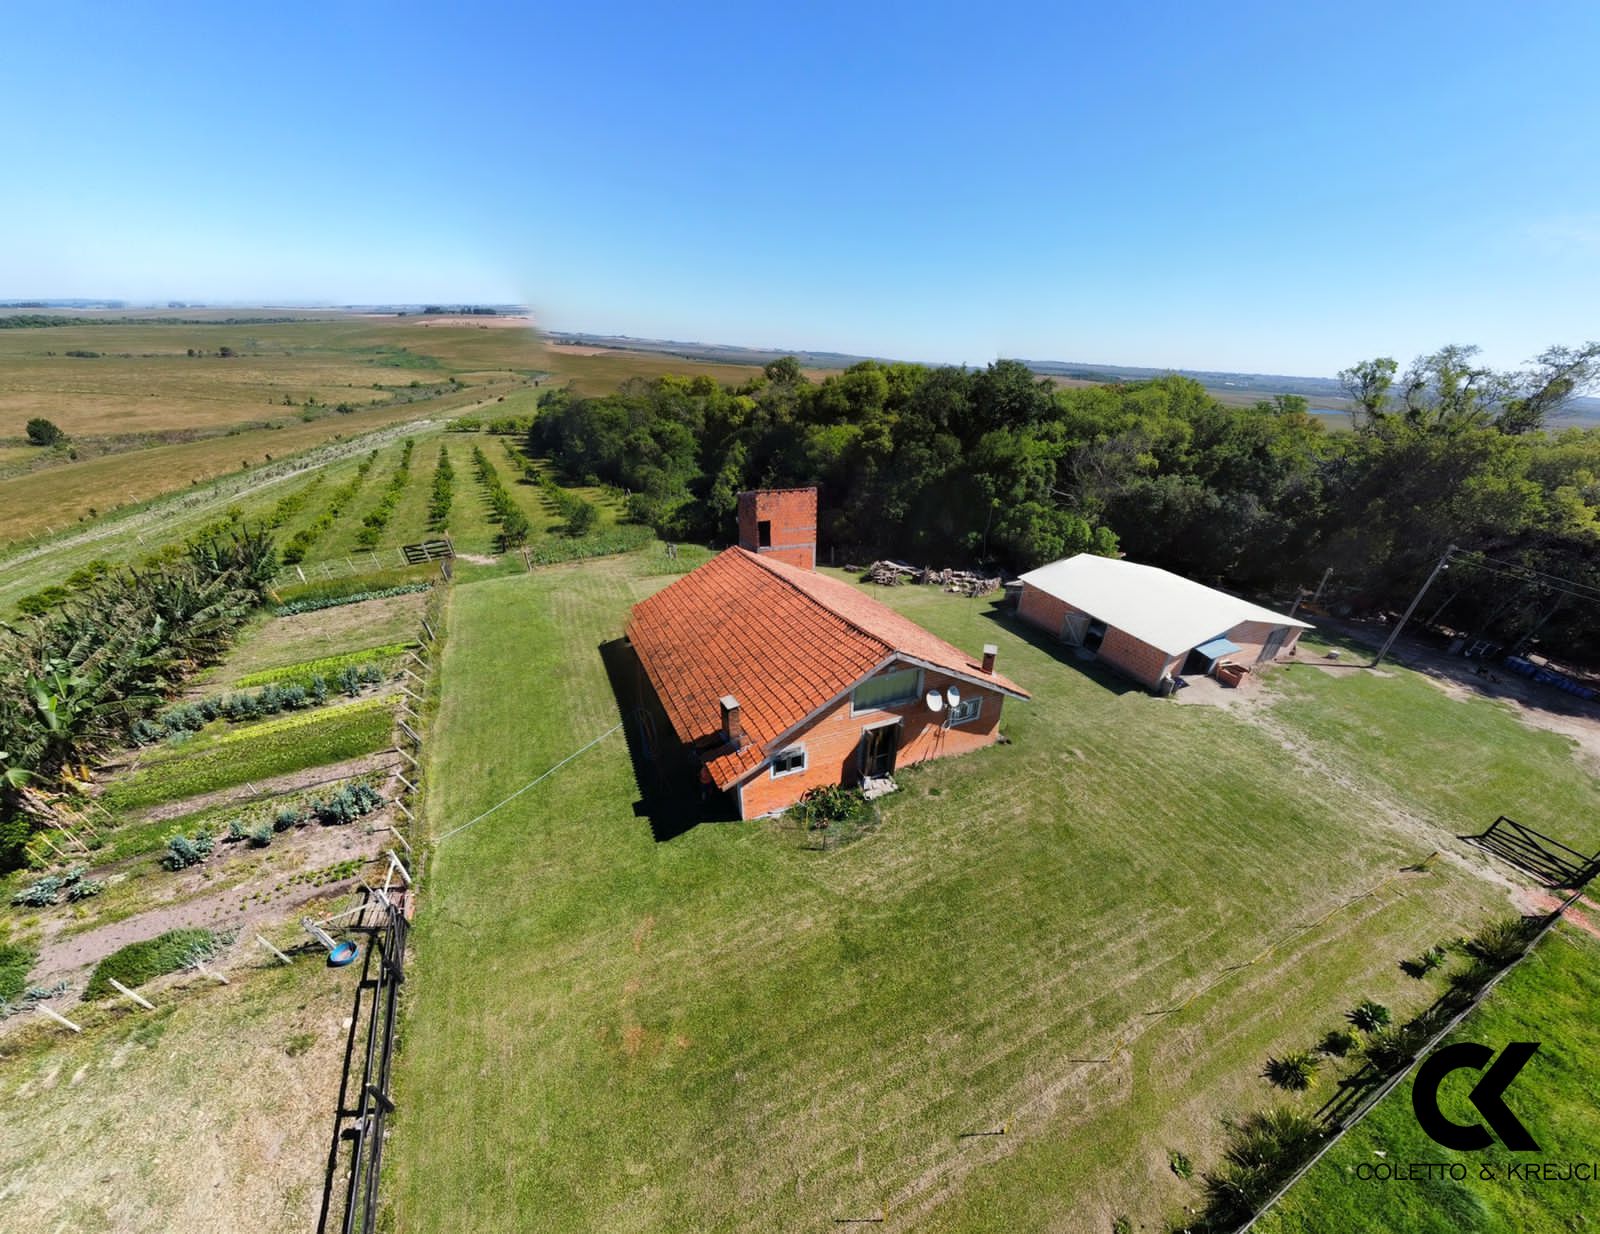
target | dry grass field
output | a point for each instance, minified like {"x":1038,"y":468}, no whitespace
{"x":147,"y":418}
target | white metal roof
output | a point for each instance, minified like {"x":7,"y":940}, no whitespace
{"x":1158,"y":607}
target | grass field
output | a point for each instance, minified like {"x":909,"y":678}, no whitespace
{"x":158,"y":1121}
{"x":726,"y":1031}
{"x":1550,"y":999}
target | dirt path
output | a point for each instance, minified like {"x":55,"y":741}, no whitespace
{"x":1587,"y":921}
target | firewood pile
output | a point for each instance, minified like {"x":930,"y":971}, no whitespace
{"x":888,"y":573}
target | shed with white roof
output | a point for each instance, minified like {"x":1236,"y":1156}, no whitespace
{"x":1149,"y":623}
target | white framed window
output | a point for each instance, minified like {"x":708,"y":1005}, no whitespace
{"x":967,"y":710}
{"x":787,"y":762}
{"x":889,"y":690}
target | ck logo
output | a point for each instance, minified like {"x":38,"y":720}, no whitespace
{"x":1485,"y":1095}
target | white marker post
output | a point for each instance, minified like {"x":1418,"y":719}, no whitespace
{"x":127,"y":993}
{"x":59,"y":1019}
{"x":273,"y":949}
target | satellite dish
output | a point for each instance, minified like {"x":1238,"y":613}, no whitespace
{"x":935,"y":701}
{"x":952,"y":695}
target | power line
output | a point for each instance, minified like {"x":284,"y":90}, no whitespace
{"x":528,"y":785}
{"x":1580,"y":591}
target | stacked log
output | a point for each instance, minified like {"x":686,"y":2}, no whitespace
{"x":887,"y":573}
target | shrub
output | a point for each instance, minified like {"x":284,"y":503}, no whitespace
{"x":1295,"y":1071}
{"x":285,"y":818}
{"x":185,"y":851}
{"x":1392,"y":1048}
{"x":1501,"y":942}
{"x":348,"y":804}
{"x":41,"y":894}
{"x":1464,"y":986}
{"x":261,"y":836}
{"x":42,"y":432}
{"x":828,"y":805}
{"x":443,"y":487}
{"x":81,"y":888}
{"x":1181,"y":1165}
{"x":1263,"y":1150}
{"x":15,"y":962}
{"x":1424,"y":964}
{"x":1338,"y":1042}
{"x":1369,"y":1016}
{"x":606,"y":543}
{"x":141,"y":962}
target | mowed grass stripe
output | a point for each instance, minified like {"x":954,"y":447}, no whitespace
{"x":726,"y":1032}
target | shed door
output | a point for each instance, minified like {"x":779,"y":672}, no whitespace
{"x":1074,"y":628}
{"x":1275,"y":641}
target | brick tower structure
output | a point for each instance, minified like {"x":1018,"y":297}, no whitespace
{"x":782,"y":522}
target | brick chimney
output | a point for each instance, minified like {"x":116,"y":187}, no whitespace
{"x":732,"y":725}
{"x":782,"y":523}
{"x":990,"y":651}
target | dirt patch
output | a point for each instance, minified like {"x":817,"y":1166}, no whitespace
{"x":185,"y":903}
{"x":478,"y":559}
{"x":1543,"y":902}
{"x":1208,"y":691}
{"x":578,"y":349}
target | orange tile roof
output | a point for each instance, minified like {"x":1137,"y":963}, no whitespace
{"x":781,"y":640}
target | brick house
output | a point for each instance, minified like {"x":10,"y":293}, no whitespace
{"x":1150,"y":624}
{"x":779,"y":679}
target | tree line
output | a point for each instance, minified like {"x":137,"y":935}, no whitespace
{"x":947,"y":464}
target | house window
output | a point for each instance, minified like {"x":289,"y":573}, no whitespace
{"x":889,"y":690}
{"x":764,"y":533}
{"x":966,"y":711}
{"x":787,"y":762}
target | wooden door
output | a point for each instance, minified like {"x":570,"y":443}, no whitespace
{"x":878,"y":747}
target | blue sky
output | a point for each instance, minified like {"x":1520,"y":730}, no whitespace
{"x":1274,"y":187}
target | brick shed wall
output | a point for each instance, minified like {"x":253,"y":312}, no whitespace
{"x":793,"y":515}
{"x":1144,"y":663}
{"x":833,"y":743}
{"x":1136,"y":659}
{"x":1043,"y":609}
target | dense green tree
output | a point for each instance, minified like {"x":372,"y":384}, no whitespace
{"x":42,"y":432}
{"x":951,"y":465}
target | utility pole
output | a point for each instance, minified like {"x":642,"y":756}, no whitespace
{"x":1442,"y":563}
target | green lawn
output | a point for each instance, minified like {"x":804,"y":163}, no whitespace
{"x":724,"y":1031}
{"x":1465,"y":764}
{"x":1550,"y":999}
